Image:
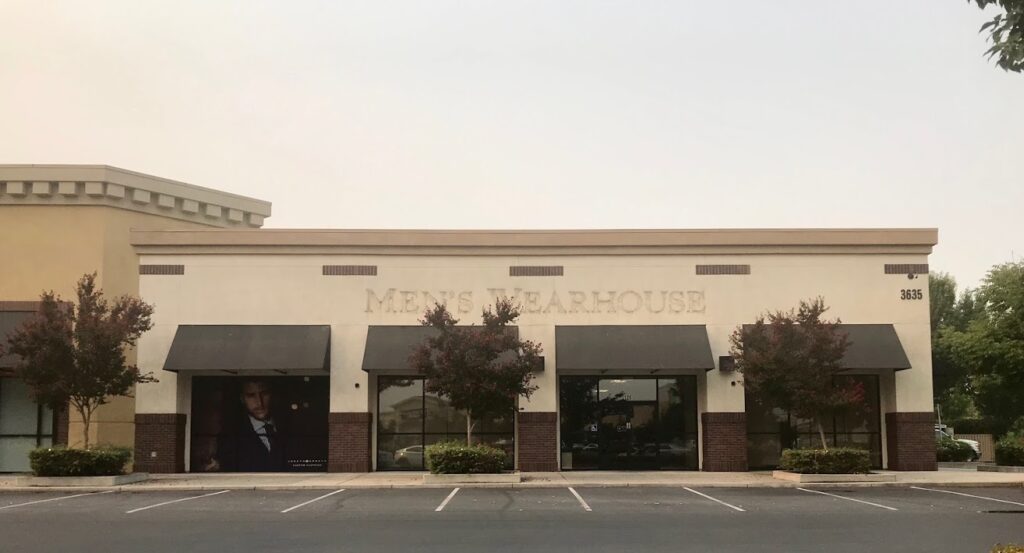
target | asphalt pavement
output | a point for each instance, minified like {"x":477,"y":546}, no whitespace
{"x":648,"y":519}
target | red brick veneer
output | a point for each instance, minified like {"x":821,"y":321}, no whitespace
{"x":160,"y":442}
{"x":348,"y":442}
{"x":724,"y":442}
{"x":910,"y":440}
{"x":537,"y":443}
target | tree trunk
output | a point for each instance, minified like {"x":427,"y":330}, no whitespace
{"x":86,"y":414}
{"x":469,"y":428}
{"x":821,"y":432}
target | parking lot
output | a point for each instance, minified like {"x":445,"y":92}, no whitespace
{"x":490,"y":519}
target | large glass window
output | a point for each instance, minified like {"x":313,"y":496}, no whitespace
{"x":628,"y":423}
{"x":24,"y":425}
{"x":770,"y":430}
{"x":409,"y":418}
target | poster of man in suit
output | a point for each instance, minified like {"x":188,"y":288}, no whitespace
{"x":259,"y":424}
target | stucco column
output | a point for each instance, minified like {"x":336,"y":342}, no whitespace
{"x":537,"y":419}
{"x":724,"y":420}
{"x":350,"y":422}
{"x":162,"y":407}
{"x":909,"y":429}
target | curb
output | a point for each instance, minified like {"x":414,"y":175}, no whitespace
{"x":523,"y":485}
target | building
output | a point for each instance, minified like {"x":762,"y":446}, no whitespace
{"x":58,"y":222}
{"x":298,"y":340}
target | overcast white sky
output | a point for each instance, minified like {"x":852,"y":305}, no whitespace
{"x":548,"y":114}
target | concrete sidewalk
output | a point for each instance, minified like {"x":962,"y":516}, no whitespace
{"x":581,"y":479}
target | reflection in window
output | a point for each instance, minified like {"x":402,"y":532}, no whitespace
{"x":409,"y":418}
{"x":770,"y":430}
{"x":24,"y":425}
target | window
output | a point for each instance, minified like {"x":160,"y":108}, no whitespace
{"x":770,"y":430}
{"x":409,"y":418}
{"x":24,"y":425}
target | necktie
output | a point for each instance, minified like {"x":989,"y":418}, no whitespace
{"x":271,"y":433}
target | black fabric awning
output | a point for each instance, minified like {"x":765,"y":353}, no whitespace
{"x":9,"y":321}
{"x":238,"y":348}
{"x":872,"y":347}
{"x":632,"y":348}
{"x":388,"y":348}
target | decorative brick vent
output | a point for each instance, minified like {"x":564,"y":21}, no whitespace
{"x":161,"y":269}
{"x":536,"y":270}
{"x":906,"y":268}
{"x":350,"y":270}
{"x":536,"y":443}
{"x":725,"y":442}
{"x":348,"y":442}
{"x":723,"y":269}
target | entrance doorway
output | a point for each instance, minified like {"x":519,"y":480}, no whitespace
{"x":628,"y":423}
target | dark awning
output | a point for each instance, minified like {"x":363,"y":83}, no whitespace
{"x":632,"y":348}
{"x":233,"y":348}
{"x":388,"y":348}
{"x":872,"y":346}
{"x":9,"y":322}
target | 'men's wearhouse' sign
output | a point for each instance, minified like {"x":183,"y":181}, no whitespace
{"x":393,"y":300}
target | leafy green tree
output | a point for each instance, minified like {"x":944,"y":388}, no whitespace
{"x":481,"y":370}
{"x":992,"y":344}
{"x":75,"y":354}
{"x":789,"y":360}
{"x":951,"y":385}
{"x":1006,"y":32}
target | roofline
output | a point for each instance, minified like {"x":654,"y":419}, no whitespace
{"x":919,"y":240}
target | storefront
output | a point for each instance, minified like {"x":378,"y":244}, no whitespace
{"x":635,"y":327}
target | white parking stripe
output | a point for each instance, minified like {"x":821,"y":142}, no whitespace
{"x":969,"y":495}
{"x":303,"y":504}
{"x":174,"y":501}
{"x":54,"y":499}
{"x":714,"y":499}
{"x":447,"y":499}
{"x":584,"y":503}
{"x":850,"y":499}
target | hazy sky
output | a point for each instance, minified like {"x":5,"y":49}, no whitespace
{"x":552,"y":114}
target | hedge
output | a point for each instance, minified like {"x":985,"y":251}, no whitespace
{"x":1008,"y":548}
{"x":976,"y":426}
{"x":96,"y":461}
{"x":948,"y":450}
{"x":1010,"y":451}
{"x":839,"y":460}
{"x":459,"y":458}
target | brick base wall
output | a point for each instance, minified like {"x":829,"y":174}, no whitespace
{"x":160,"y":443}
{"x":61,"y":420}
{"x":910,"y":441}
{"x":724,"y":442}
{"x":348,"y":442}
{"x":537,"y":444}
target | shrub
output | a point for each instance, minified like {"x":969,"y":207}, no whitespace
{"x":459,"y":458}
{"x":1010,"y":450}
{"x":948,"y":450}
{"x":975,"y":426}
{"x":1008,"y":548}
{"x":96,"y":461}
{"x":839,"y":460}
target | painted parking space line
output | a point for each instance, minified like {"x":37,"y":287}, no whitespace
{"x":850,"y":499}
{"x":716,"y":500}
{"x":968,"y":495}
{"x":314,"y":500}
{"x":446,"y":500}
{"x":54,"y":499}
{"x":174,"y":501}
{"x":580,"y":499}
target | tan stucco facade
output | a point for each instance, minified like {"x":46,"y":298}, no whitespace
{"x":271,"y":277}
{"x":58,"y":222}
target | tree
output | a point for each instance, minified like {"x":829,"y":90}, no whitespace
{"x":1006,"y":32}
{"x":480,"y":370}
{"x":991,"y":345}
{"x":949,"y":313}
{"x":76,"y":354}
{"x":790,"y":359}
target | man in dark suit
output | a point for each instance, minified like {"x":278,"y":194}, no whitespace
{"x":257,"y":444}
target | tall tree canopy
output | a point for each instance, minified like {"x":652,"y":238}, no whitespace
{"x":1006,"y":32}
{"x":789,"y":360}
{"x":75,"y":354}
{"x":950,"y":312}
{"x":481,"y":370}
{"x":991,"y":345}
